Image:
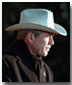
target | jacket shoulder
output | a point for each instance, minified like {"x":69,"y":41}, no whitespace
{"x":7,"y":68}
{"x":9,"y":58}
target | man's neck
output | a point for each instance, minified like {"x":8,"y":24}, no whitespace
{"x":30,"y":49}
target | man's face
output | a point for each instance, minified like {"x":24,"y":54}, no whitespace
{"x":41,"y":44}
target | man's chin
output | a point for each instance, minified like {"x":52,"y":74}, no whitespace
{"x":45,"y":54}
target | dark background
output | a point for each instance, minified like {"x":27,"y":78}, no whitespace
{"x":59,"y":55}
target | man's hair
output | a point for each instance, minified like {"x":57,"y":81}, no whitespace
{"x":22,"y":33}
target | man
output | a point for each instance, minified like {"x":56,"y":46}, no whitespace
{"x":23,"y":61}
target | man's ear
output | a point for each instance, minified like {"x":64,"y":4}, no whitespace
{"x":30,"y":37}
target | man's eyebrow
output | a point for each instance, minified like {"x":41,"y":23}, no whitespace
{"x":51,"y":34}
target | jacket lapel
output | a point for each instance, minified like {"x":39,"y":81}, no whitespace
{"x":30,"y":74}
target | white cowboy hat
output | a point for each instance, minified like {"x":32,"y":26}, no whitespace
{"x":38,"y":19}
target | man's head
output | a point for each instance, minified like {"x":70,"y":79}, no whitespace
{"x":38,"y":42}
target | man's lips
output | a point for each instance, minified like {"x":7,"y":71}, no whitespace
{"x":48,"y":48}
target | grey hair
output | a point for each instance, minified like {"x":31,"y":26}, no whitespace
{"x":22,"y":33}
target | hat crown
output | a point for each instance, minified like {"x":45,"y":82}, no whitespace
{"x":37,"y":16}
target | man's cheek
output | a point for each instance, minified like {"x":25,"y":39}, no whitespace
{"x":42,"y":47}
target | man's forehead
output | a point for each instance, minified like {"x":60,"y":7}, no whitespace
{"x":45,"y":32}
{"x":48,"y":33}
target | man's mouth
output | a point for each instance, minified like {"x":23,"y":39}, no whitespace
{"x":47,"y":48}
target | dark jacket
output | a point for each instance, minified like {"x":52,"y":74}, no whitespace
{"x":19,"y":65}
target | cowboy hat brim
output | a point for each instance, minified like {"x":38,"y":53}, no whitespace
{"x":57,"y":30}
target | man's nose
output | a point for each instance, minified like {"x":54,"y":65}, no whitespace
{"x":51,"y":40}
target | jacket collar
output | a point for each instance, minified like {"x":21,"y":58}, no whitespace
{"x":24,"y":53}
